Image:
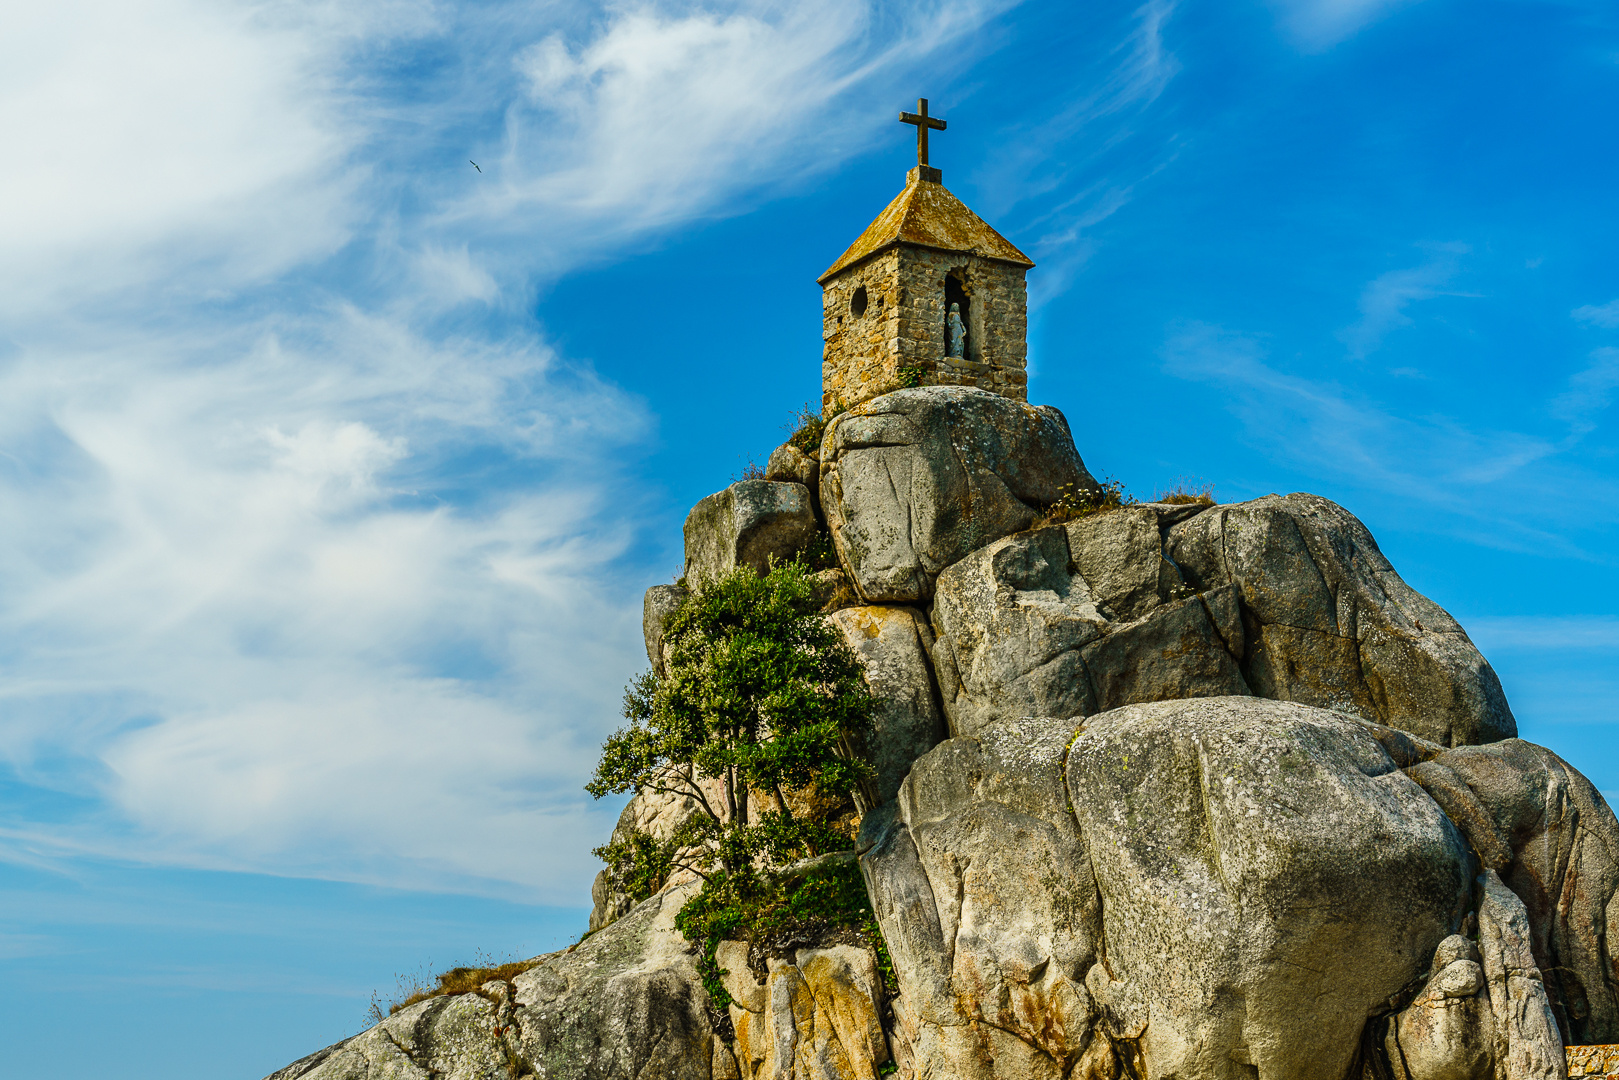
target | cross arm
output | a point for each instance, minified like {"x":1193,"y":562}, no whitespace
{"x":931,"y":121}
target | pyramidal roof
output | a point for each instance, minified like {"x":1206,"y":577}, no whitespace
{"x":926,"y":213}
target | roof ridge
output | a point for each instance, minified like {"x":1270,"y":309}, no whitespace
{"x":928,"y":214}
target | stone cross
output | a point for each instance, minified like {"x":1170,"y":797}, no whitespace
{"x":923,"y":122}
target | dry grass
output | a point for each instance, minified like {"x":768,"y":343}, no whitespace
{"x":1187,"y":491}
{"x":465,"y":980}
{"x":458,"y":980}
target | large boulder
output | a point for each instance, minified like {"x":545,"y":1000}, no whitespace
{"x":893,"y":644}
{"x":660,"y":602}
{"x":789,"y":464}
{"x":1023,"y":634}
{"x":748,"y":524}
{"x":1563,"y":862}
{"x":625,"y":1003}
{"x":981,"y":883}
{"x":1282,"y":598}
{"x":1448,"y":1031}
{"x":1334,"y":625}
{"x":1269,"y":879}
{"x":913,"y":480}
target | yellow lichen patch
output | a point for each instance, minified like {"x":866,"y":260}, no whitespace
{"x":1593,"y":1062}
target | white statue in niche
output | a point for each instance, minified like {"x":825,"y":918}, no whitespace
{"x":958,"y":333}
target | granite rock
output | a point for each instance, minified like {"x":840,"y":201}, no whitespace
{"x":625,"y":1003}
{"x":1021,"y":634}
{"x":893,"y":644}
{"x":981,"y":883}
{"x":1334,"y":625}
{"x":1269,"y":879}
{"x":751,"y":523}
{"x":790,"y":465}
{"x":660,"y":603}
{"x":1564,"y":867}
{"x":1448,"y":1032}
{"x":913,"y":480}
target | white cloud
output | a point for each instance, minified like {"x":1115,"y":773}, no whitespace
{"x":658,"y":116}
{"x":150,"y":141}
{"x":253,"y":611}
{"x":1492,"y":484}
{"x":246,"y":589}
{"x":1316,"y":25}
{"x":1533,"y":633}
{"x":1603,"y":315}
{"x":1384,"y":300}
{"x":1590,"y":391}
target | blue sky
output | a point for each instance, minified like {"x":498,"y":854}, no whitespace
{"x":333,"y":468}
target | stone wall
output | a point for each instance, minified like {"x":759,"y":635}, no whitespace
{"x":903,"y":326}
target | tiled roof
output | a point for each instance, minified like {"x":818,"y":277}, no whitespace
{"x":926,"y":213}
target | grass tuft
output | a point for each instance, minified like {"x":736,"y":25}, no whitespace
{"x":1075,"y":503}
{"x":1187,"y":491}
{"x":458,"y":980}
{"x":808,"y":425}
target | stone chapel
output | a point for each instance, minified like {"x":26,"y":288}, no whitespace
{"x":886,"y":302}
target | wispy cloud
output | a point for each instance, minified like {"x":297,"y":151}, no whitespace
{"x":1384,"y":301}
{"x":284,"y":633}
{"x":177,"y":141}
{"x":1487,"y":482}
{"x":1317,"y":25}
{"x":306,"y":572}
{"x":1545,"y":633}
{"x":1084,"y":146}
{"x":660,"y":114}
{"x":1603,"y":315}
{"x":1590,"y":391}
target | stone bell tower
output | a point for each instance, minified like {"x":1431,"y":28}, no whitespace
{"x":886,"y":302}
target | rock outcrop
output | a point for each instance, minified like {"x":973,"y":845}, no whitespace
{"x":660,"y":602}
{"x":1333,"y":624}
{"x":748,"y":524}
{"x":1269,"y":879}
{"x":626,"y":1002}
{"x":893,"y":643}
{"x":1562,"y":864}
{"x":982,"y":883}
{"x":1169,"y":791}
{"x":1286,"y":598}
{"x":913,"y":480}
{"x":816,"y":1015}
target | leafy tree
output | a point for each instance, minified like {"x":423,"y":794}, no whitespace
{"x":760,"y":696}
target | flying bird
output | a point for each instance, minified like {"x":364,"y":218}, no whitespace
{"x":474,"y":164}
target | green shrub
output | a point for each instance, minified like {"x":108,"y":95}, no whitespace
{"x":1075,"y":502}
{"x":810,"y":424}
{"x":638,"y":865}
{"x":763,"y":696}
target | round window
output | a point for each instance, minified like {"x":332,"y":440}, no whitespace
{"x":857,"y":302}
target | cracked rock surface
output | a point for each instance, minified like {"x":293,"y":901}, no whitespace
{"x":913,"y":480}
{"x":1169,"y":792}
